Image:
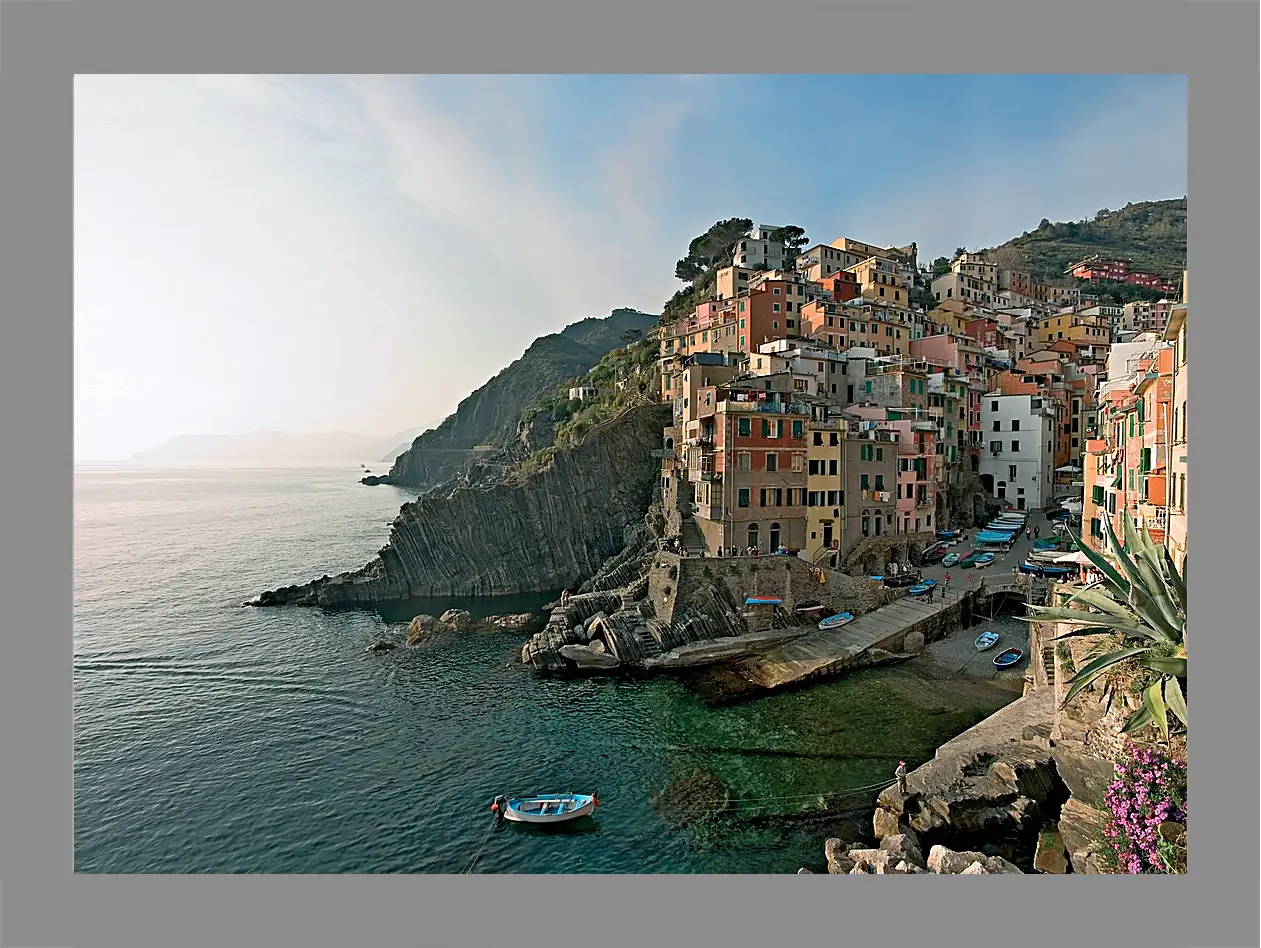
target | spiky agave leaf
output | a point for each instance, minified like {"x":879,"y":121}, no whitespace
{"x":1093,"y":623}
{"x":1141,"y":598}
{"x":1177,"y":580}
{"x":1156,"y":583}
{"x":1164,"y":665}
{"x":1154,"y":701}
{"x":1102,"y":601}
{"x":1138,"y":720}
{"x":1094,"y":669}
{"x":1175,"y":700}
{"x":1114,"y":579}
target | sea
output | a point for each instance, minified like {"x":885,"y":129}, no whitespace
{"x":214,"y":737}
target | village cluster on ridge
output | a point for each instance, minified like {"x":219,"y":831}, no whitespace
{"x":818,"y":409}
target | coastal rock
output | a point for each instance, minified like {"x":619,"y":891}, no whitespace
{"x":515,"y":621}
{"x":1086,"y":776}
{"x":381,"y":645}
{"x":1081,"y":826}
{"x":904,"y":846}
{"x":485,"y":540}
{"x":948,"y":862}
{"x":419,"y":627}
{"x":586,"y":658}
{"x":457,"y":619}
{"x":694,"y":799}
{"x":976,"y":869}
{"x":909,"y":868}
{"x":885,"y":822}
{"x":913,"y":643}
{"x":839,"y":860}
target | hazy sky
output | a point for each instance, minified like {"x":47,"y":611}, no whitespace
{"x":359,"y":253}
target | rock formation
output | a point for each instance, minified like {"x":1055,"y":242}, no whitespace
{"x":548,"y":529}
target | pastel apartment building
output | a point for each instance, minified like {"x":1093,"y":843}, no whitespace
{"x":1176,"y":336}
{"x":1095,"y":269}
{"x":1018,"y":463}
{"x":747,"y":467}
{"x":758,"y":252}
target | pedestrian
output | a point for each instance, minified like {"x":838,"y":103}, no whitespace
{"x":1037,"y":532}
{"x":1028,"y":534}
{"x":564,"y":598}
{"x":900,"y":773}
{"x":720,"y":552}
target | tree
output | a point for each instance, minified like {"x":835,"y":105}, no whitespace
{"x":792,"y":237}
{"x":1143,"y":600}
{"x":632,"y":336}
{"x":941,"y":266}
{"x":960,"y":251}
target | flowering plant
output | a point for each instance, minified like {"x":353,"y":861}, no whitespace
{"x":1149,"y":793}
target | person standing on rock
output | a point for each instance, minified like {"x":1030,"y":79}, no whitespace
{"x":564,"y":598}
{"x":900,"y":773}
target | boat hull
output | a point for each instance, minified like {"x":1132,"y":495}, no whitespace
{"x":1008,"y":658}
{"x":835,"y":622}
{"x":530,"y":809}
{"x":986,"y":641}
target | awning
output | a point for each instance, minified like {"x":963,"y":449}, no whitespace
{"x":1077,"y":556}
{"x":1068,"y":469}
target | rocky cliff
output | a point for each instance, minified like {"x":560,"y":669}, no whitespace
{"x":492,"y":413}
{"x":545,"y":528}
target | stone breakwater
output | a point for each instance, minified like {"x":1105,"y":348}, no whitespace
{"x":550,"y":528}
{"x":654,"y":611}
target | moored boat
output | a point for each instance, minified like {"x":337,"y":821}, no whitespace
{"x":836,"y":621}
{"x":920,"y":589}
{"x":950,"y":559}
{"x":809,"y":605}
{"x":1008,"y":658}
{"x":546,"y":807}
{"x":984,"y":559}
{"x":986,"y":640}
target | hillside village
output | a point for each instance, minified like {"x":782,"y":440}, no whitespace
{"x":819,"y":410}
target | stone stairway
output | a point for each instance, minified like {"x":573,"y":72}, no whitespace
{"x":693,"y":539}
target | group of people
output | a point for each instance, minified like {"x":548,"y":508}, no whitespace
{"x":1032,"y":533}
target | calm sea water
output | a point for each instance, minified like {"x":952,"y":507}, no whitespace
{"x":210,"y":737}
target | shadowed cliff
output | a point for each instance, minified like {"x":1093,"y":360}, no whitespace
{"x":491,"y":414}
{"x":538,"y":529}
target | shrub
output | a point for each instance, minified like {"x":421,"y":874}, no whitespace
{"x":1150,"y":789}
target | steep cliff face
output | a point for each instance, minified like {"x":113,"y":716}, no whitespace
{"x":547,"y":529}
{"x":491,"y":414}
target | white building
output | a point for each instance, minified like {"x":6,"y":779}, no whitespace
{"x":583,"y":392}
{"x":758,"y":251}
{"x":1017,"y":463}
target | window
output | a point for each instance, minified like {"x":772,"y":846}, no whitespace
{"x":832,"y":467}
{"x":798,"y":463}
{"x":879,"y":454}
{"x":766,"y":428}
{"x":762,"y":497}
{"x":866,"y":452}
{"x":998,"y":426}
{"x":818,"y":438}
{"x":742,"y":500}
{"x":742,"y":318}
{"x":996,"y":446}
{"x":744,"y":461}
{"x":1015,"y":424}
{"x":774,"y":307}
{"x":993,"y":406}
{"x":798,"y":429}
{"x":775,"y":324}
{"x":833,"y":439}
{"x":864,"y":482}
{"x":879,"y":482}
{"x":1011,"y":472}
{"x":745,"y":427}
{"x":772,"y":462}
{"x":1015,"y":446}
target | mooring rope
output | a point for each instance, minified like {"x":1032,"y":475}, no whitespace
{"x":477,"y":855}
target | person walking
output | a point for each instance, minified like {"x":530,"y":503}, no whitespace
{"x":900,"y":773}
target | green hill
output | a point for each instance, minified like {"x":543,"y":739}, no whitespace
{"x":1152,"y":235}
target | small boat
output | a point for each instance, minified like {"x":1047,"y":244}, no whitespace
{"x":763,"y":601}
{"x":836,"y":621}
{"x":1008,"y":658}
{"x":970,"y":560}
{"x":948,"y":534}
{"x":920,"y":588}
{"x":1034,"y":569}
{"x":986,"y":640}
{"x":902,"y":579}
{"x":1058,"y":570}
{"x":950,"y":559}
{"x":985,"y":559}
{"x":810,"y":605}
{"x":547,"y":807}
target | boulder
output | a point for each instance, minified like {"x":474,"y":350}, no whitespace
{"x":458,"y":619}
{"x":913,"y":643}
{"x":885,"y":822}
{"x":803,"y":871}
{"x":380,"y":645}
{"x":419,"y":627}
{"x":976,"y":869}
{"x":593,"y":623}
{"x":1050,"y":855}
{"x":874,"y":860}
{"x":909,"y":868}
{"x":1086,"y":776}
{"x":905,"y":846}
{"x":588,"y":659}
{"x":520,"y":620}
{"x":839,"y":860}
{"x":1080,"y":827}
{"x":948,"y":862}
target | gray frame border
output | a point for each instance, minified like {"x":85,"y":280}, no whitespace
{"x":45,"y":44}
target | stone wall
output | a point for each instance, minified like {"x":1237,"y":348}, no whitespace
{"x":871,"y":555}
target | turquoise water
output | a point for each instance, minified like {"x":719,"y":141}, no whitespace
{"x":210,"y":737}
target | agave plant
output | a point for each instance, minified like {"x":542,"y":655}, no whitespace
{"x":1144,"y":600}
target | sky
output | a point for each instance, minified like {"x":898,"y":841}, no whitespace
{"x":359,"y":253}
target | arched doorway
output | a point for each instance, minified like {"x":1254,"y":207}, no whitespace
{"x":669,"y":444}
{"x":753,"y":536}
{"x":976,"y":462}
{"x":987,"y":484}
{"x":1000,"y":490}
{"x":774,"y":545}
